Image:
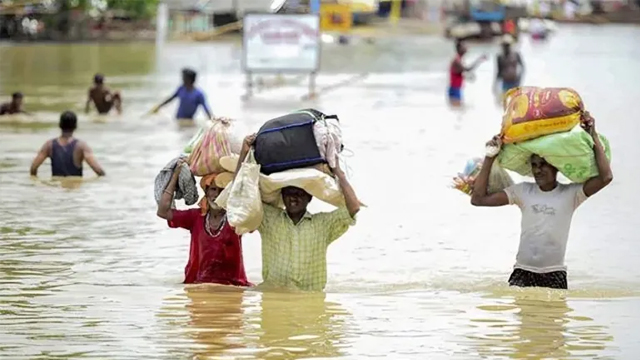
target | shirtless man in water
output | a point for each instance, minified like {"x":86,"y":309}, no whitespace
{"x":102,"y":97}
{"x":510,"y":66}
{"x":13,"y":107}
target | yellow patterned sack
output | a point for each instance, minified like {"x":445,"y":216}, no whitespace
{"x":531,"y":112}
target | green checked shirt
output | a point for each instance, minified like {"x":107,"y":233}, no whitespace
{"x":296,"y":255}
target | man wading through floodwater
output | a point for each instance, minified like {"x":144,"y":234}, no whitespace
{"x":547,"y":208}
{"x":510,"y":67}
{"x":295,"y":242}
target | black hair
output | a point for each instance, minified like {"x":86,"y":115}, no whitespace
{"x":189,"y":75}
{"x":459,"y":44}
{"x":98,"y":79}
{"x":68,"y":121}
{"x":16,"y":95}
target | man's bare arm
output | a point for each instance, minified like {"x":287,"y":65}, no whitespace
{"x":605,"y":175}
{"x":350,"y":198}
{"x":164,"y":206}
{"x":42,"y":155}
{"x":479,"y":196}
{"x":88,"y":104}
{"x":88,"y":156}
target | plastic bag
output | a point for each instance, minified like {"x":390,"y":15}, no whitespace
{"x":531,"y":112}
{"x":570,"y":152}
{"x":499,"y":179}
{"x":188,"y":149}
{"x":214,"y":144}
{"x":243,"y":201}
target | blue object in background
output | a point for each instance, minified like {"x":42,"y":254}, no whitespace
{"x":314,"y":6}
{"x":496,"y":15}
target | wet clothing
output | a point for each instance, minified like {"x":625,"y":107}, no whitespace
{"x":455,"y":93}
{"x":455,"y":78}
{"x":546,"y":219}
{"x":506,"y":85}
{"x":524,"y":278}
{"x":295,"y":255}
{"x":62,"y":163}
{"x":185,"y":188}
{"x":189,"y":102}
{"x":212,"y":259}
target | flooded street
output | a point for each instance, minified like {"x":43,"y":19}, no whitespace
{"x":87,"y":270}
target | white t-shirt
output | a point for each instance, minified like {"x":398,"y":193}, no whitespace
{"x":546,"y":219}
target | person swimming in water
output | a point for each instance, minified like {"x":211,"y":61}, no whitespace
{"x":13,"y":107}
{"x":510,"y":67}
{"x":547,"y":209}
{"x":66,"y":152}
{"x":457,"y":71}
{"x":103,"y":99}
{"x":190,"y":97}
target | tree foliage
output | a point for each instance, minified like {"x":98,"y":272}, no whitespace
{"x":134,"y":8}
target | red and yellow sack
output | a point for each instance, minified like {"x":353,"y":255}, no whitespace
{"x":531,"y":112}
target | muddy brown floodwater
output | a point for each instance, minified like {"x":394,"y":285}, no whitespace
{"x":88,"y":271}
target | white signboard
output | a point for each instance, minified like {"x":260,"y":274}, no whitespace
{"x":281,"y":42}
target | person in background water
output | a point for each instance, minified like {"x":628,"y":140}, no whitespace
{"x":102,"y":97}
{"x":510,"y":67}
{"x":190,"y":97}
{"x":547,"y":208}
{"x":215,"y":255}
{"x":456,"y":73}
{"x":66,"y":152}
{"x":510,"y":27}
{"x":13,"y":107}
{"x":295,"y":242}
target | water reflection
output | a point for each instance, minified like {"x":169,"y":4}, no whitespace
{"x":223,"y":321}
{"x":300,"y":325}
{"x":542,"y":326}
{"x":216,"y":319}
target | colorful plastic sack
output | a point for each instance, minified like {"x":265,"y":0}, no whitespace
{"x":242,"y":198}
{"x":571,"y":152}
{"x":188,"y":149}
{"x":499,"y":179}
{"x":531,"y":112}
{"x":206,"y":154}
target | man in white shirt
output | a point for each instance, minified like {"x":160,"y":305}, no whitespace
{"x":547,"y":208}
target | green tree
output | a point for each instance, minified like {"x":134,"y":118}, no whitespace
{"x":140,"y":9}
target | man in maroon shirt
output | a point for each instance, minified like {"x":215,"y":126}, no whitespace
{"x":216,"y":251}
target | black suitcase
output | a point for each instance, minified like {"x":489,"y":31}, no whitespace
{"x":287,"y":142}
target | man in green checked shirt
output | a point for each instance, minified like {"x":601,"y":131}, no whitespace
{"x":295,"y":242}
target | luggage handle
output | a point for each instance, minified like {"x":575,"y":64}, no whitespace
{"x":332,"y":117}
